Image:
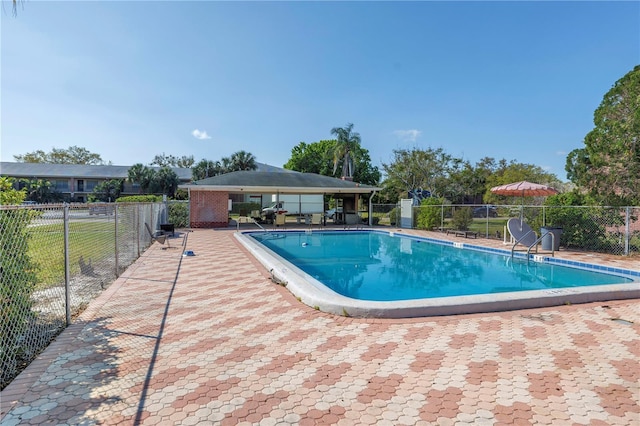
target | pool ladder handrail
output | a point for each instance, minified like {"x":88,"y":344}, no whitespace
{"x":252,"y":221}
{"x":535,"y":243}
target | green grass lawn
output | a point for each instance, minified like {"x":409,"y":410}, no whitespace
{"x":496,"y":224}
{"x":94,"y":241}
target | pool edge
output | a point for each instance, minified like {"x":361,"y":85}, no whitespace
{"x":314,"y":294}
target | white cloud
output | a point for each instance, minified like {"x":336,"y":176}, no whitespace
{"x":200,"y":134}
{"x":408,"y":135}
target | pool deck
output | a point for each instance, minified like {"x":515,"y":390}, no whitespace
{"x":210,"y":339}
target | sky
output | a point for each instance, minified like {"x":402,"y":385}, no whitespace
{"x":132,"y":80}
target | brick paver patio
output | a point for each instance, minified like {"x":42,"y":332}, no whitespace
{"x":209,"y":339}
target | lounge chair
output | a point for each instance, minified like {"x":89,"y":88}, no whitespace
{"x":159,"y":236}
{"x":462,"y":233}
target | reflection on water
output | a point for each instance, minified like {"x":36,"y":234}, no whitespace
{"x":376,"y":266}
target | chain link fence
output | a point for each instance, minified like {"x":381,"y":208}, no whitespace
{"x":609,"y":230}
{"x":385,"y":214}
{"x":55,"y":259}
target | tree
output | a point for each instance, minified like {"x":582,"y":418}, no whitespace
{"x":173,"y":161}
{"x":469,"y":182}
{"x":509,"y":172}
{"x":608,"y":167}
{"x":365,"y":172}
{"x":185,"y":162}
{"x":238,"y":161}
{"x":205,"y":169}
{"x":107,"y":191}
{"x":41,"y":191}
{"x":142,"y":175}
{"x":241,"y":160}
{"x":317,"y":157}
{"x":311,"y":158}
{"x":418,"y":169}
{"x":71,"y":155}
{"x":166,"y":181}
{"x":8,"y":194}
{"x":346,"y":139}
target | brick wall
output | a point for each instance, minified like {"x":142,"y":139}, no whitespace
{"x":209,"y":209}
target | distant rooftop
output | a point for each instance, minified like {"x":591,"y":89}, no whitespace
{"x":280,"y":180}
{"x":42,"y":170}
{"x":63,"y":171}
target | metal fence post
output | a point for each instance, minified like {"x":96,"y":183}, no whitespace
{"x":165,"y":213}
{"x":67,"y":271}
{"x":627,"y":231}
{"x":137,"y":228}
{"x":115,"y":218}
{"x":486,"y":223}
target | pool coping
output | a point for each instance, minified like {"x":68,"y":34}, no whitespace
{"x":315,"y":294}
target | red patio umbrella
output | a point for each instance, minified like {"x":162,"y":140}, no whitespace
{"x":524,"y":189}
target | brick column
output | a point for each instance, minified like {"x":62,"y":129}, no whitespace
{"x":208,"y":209}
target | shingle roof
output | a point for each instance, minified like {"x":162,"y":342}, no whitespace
{"x":42,"y":170}
{"x":30,"y":170}
{"x":265,"y":178}
{"x":283,"y":181}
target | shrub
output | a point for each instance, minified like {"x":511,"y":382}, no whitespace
{"x":9,"y":195}
{"x":429,"y":213}
{"x":583,"y":228}
{"x":462,"y":218}
{"x":17,"y":282}
{"x":179,"y":214}
{"x":140,"y":199}
{"x":243,"y":209}
{"x":394,"y":216}
{"x":181,"y":194}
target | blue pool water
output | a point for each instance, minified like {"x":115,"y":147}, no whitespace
{"x":377,"y":266}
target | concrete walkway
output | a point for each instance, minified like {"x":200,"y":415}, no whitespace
{"x":209,"y":339}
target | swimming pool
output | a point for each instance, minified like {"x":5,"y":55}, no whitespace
{"x":375,"y":273}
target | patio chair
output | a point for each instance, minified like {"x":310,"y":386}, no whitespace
{"x":316,"y":219}
{"x":159,"y":236}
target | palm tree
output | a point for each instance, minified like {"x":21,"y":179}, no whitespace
{"x":167,"y":181}
{"x":142,"y":175}
{"x":346,"y":138}
{"x":205,"y":169}
{"x":242,"y":160}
